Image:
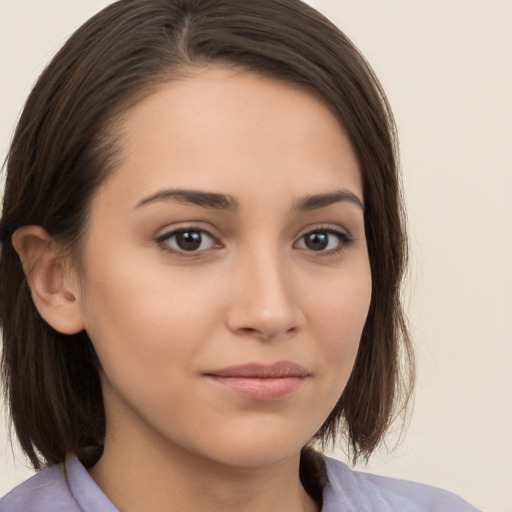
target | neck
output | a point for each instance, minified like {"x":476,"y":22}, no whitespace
{"x":170,"y":479}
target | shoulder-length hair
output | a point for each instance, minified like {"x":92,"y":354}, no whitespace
{"x":65,"y":146}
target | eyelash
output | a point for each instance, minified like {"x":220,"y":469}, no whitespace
{"x":162,"y":241}
{"x":344,"y":240}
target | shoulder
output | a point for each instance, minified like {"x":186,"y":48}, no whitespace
{"x":366,"y":492}
{"x":44,"y":492}
{"x":64,"y":488}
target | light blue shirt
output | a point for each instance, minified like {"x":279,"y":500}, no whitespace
{"x":69,"y":488}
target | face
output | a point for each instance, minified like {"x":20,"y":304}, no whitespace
{"x":226,"y":276}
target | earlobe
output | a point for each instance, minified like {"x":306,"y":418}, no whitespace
{"x":53,"y":288}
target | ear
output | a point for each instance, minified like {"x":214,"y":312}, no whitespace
{"x":54,"y":288}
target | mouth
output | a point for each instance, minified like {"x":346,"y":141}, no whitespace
{"x":261,"y":382}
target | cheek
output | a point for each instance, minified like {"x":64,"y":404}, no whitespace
{"x":144,"y":322}
{"x":339,"y":313}
{"x":341,"y":306}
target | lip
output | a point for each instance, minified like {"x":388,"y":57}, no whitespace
{"x":261,"y":382}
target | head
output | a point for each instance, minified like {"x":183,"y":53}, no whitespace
{"x":68,"y":147}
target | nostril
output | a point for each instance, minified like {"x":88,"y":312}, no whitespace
{"x":248,"y":330}
{"x":260,"y":333}
{"x":255,"y":333}
{"x":265,"y":318}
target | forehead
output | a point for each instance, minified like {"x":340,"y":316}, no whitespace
{"x":232,"y":129}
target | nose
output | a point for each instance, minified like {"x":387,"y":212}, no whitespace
{"x":265,"y":300}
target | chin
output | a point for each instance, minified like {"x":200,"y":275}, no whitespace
{"x":258,"y":450}
{"x":252,"y":457}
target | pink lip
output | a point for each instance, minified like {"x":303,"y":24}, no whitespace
{"x":261,"y":382}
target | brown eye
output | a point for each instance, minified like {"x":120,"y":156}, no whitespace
{"x":324,"y":240}
{"x":188,"y":240}
{"x":318,"y":241}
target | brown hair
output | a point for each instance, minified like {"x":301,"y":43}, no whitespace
{"x":64,"y":147}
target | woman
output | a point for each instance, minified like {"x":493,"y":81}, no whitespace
{"x":202,"y":246}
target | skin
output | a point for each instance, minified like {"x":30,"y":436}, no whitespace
{"x":161,"y":318}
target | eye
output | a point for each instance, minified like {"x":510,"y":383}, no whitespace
{"x":324,"y":240}
{"x":187,"y":240}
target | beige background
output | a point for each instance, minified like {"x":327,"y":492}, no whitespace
{"x":447,"y":68}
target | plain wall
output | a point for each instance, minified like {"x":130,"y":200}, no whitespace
{"x":447,"y":69}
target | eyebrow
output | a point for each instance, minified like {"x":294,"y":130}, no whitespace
{"x":317,"y":201}
{"x":196,"y":197}
{"x":227,"y":202}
